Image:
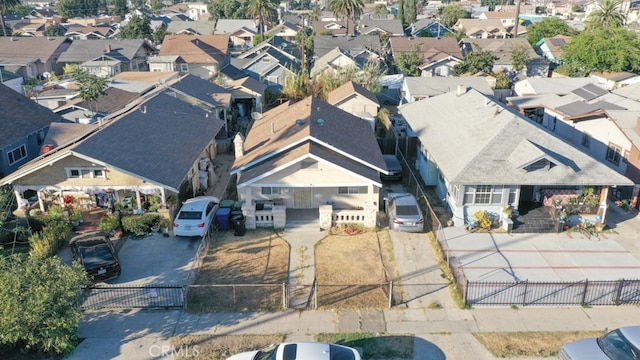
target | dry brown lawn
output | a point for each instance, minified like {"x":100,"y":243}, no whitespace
{"x":214,"y":347}
{"x":350,"y":270}
{"x":530,"y":344}
{"x":260,"y":258}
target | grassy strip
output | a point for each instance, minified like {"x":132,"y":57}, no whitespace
{"x":530,"y":344}
{"x":374,"y":346}
{"x":219,"y":347}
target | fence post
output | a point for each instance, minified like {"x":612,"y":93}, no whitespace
{"x":184,"y":297}
{"x":315,"y":295}
{"x":284,"y":296}
{"x":584,"y":292}
{"x":619,"y":292}
{"x":524,"y":296}
{"x":390,"y":294}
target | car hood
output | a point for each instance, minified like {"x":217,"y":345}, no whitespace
{"x":249,"y":355}
{"x":586,"y":349}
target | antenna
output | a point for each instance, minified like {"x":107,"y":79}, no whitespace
{"x":256,"y":115}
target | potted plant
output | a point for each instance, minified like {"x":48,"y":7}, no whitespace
{"x":75,"y":217}
{"x":164,"y":225}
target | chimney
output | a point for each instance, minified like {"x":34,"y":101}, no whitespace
{"x":46,"y":148}
{"x":108,"y":49}
{"x":462,"y":89}
{"x":238,"y":145}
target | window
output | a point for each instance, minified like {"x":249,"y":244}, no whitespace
{"x":272,"y":80}
{"x":348,"y":190}
{"x":17,"y":154}
{"x":267,"y":190}
{"x":483,"y":194}
{"x":586,"y":140}
{"x":85,"y":173}
{"x":613,"y":154}
{"x":184,"y":67}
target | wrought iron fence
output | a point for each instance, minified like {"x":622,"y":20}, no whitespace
{"x":530,"y":293}
{"x":106,"y":296}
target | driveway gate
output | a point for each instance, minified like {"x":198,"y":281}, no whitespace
{"x":118,"y":296}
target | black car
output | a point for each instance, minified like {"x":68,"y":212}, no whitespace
{"x":97,"y":255}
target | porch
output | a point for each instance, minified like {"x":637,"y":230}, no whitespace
{"x":280,"y":217}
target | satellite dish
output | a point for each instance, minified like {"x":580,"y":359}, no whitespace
{"x":256,"y":115}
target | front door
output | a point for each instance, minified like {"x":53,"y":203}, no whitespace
{"x":302,"y":198}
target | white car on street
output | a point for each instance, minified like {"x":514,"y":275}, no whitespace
{"x":301,"y":351}
{"x":195,"y":216}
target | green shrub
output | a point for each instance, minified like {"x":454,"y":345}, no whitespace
{"x":51,"y":239}
{"x":140,"y":224}
{"x":482,"y":219}
{"x":109,"y":223}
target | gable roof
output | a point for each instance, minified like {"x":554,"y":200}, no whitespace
{"x":21,"y":116}
{"x":437,"y":85}
{"x":391,"y":26}
{"x":197,"y":49}
{"x":114,"y":99}
{"x":348,"y":89}
{"x":434,"y":49}
{"x":203,"y":90}
{"x":559,"y":86}
{"x":191,"y":27}
{"x":182,"y":131}
{"x":472,"y":26}
{"x":282,"y":26}
{"x":18,"y":47}
{"x":555,"y":44}
{"x":312,"y":121}
{"x":60,"y":134}
{"x":492,"y":135}
{"x":502,"y":48}
{"x":352,"y":45}
{"x":249,"y":83}
{"x":83,"y":50}
{"x":629,"y":91}
{"x":337,"y":27}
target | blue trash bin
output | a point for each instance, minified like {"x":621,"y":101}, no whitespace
{"x":222,"y":217}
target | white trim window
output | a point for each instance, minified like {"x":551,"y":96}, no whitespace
{"x":17,"y":154}
{"x":85,"y":173}
{"x":483,"y":194}
{"x":343,"y":190}
{"x":184,"y":67}
{"x":613,"y":154}
{"x":271,"y":190}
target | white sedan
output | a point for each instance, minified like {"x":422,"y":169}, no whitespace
{"x":301,"y":350}
{"x":195,"y":216}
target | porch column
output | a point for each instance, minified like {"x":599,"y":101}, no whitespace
{"x":40,"y":201}
{"x":163,"y":198}
{"x":634,"y":196}
{"x":604,"y":195}
{"x":138,"y":200}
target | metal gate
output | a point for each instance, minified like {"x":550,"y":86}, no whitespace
{"x":105,"y":296}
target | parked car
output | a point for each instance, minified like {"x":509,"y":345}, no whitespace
{"x":195,"y":216}
{"x":403,"y":212}
{"x":97,"y":255}
{"x":301,"y":350}
{"x":619,"y":344}
{"x":394,"y":167}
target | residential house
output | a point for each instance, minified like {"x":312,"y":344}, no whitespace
{"x":269,"y":62}
{"x":362,"y":47}
{"x":506,"y":161}
{"x":551,"y":47}
{"x":166,"y":63}
{"x":248,"y":94}
{"x":168,"y":138}
{"x":535,"y":66}
{"x":428,"y":26}
{"x":82,"y":32}
{"x":589,"y":118}
{"x":334,"y":27}
{"x":141,"y":82}
{"x":335,"y":61}
{"x":190,"y":27}
{"x":23,"y":127}
{"x":53,"y":97}
{"x":241,"y":31}
{"x":440,"y":54}
{"x":614,"y":80}
{"x":286,"y":30}
{"x":197,"y":11}
{"x":630,"y":91}
{"x":87,"y":112}
{"x":357,"y":100}
{"x":300,"y":157}
{"x":389,"y":27}
{"x":419,"y":88}
{"x":108,"y":57}
{"x":482,"y":29}
{"x":507,"y":18}
{"x":203,"y":55}
{"x":32,"y":56}
{"x":543,"y":86}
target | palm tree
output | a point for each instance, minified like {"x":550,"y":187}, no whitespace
{"x":264,"y":10}
{"x":4,"y":6}
{"x":608,"y":15}
{"x":349,"y":9}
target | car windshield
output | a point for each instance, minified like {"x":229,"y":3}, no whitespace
{"x":190,"y":215}
{"x":94,"y":256}
{"x":267,"y":354}
{"x":406,"y":210}
{"x":617,"y":347}
{"x":340,"y":353}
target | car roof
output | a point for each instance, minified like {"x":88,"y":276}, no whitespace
{"x":311,"y":350}
{"x":632,"y":333}
{"x":89,"y":239}
{"x":391,"y":161}
{"x":198,"y":203}
{"x":403,"y":198}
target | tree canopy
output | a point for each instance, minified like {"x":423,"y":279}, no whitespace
{"x":4,"y":6}
{"x":604,"y":49}
{"x":608,"y":14}
{"x":265,"y":11}
{"x":227,"y":9}
{"x":78,"y":8}
{"x":451,"y":13}
{"x":549,"y":27}
{"x":348,"y":9}
{"x":408,"y":62}
{"x":54,"y":30}
{"x":519,"y":57}
{"x":476,"y":61}
{"x":138,"y":27}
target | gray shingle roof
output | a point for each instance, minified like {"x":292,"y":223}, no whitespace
{"x":83,"y":50}
{"x":160,"y":144}
{"x":199,"y":88}
{"x":432,"y":86}
{"x":322,"y":44}
{"x":474,"y":140}
{"x":21,"y":116}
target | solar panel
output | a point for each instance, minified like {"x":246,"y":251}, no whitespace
{"x":584,"y":94}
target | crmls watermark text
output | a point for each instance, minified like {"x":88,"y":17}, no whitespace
{"x":184,"y":351}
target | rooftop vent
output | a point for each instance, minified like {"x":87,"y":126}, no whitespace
{"x":320,"y":122}
{"x":299,"y":122}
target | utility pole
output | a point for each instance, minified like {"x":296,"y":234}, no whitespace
{"x":515,"y":35}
